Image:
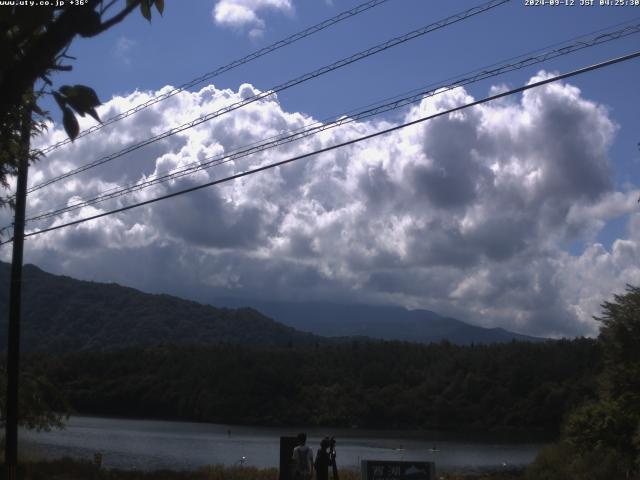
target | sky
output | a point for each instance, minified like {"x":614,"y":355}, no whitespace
{"x":520,"y":213}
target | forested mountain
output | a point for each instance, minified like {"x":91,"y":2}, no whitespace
{"x":382,"y":322}
{"x":518,"y":385}
{"x":137,"y":354}
{"x":61,"y":314}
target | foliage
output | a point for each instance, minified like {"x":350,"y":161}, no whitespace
{"x":41,"y":405}
{"x":620,"y":340}
{"x":12,"y":145}
{"x":551,"y":463}
{"x":34,"y":41}
{"x":369,"y":384}
{"x":610,"y":423}
{"x":601,"y":426}
{"x":561,"y":461}
{"x":602,"y":437}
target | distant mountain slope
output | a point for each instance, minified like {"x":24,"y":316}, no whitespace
{"x":385,"y":322}
{"x":61,"y":314}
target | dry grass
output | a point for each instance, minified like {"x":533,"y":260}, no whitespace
{"x":70,"y":469}
{"x":502,"y":475}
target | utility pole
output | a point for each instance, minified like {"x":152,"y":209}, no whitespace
{"x":15,"y":296}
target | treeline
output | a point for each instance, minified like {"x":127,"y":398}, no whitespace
{"x":368,"y":384}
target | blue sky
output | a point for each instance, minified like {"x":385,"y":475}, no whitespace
{"x":186,"y":43}
{"x":541,"y":268}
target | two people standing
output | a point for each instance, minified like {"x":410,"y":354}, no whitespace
{"x":304,"y":463}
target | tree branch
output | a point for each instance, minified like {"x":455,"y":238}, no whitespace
{"x":107,"y":7}
{"x":37,"y":60}
{"x":115,"y":19}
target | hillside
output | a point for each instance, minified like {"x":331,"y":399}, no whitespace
{"x":382,"y":322}
{"x":62,"y":314}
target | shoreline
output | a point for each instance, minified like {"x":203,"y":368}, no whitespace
{"x":150,"y":444}
{"x":511,"y":436}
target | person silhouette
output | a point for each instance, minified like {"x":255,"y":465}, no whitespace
{"x":302,"y":459}
{"x":323,"y":460}
{"x":332,"y":457}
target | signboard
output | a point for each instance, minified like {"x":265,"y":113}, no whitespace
{"x":392,"y":470}
{"x":287,"y":444}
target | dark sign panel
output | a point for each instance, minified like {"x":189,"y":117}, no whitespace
{"x":287,"y":444}
{"x":392,"y":470}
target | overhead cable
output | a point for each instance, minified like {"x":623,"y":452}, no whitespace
{"x":220,"y":70}
{"x":262,"y":95}
{"x":317,"y":127}
{"x":340,"y":145}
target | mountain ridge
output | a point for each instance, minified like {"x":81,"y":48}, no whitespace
{"x":379,"y":322}
{"x":62,"y":314}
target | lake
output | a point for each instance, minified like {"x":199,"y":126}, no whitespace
{"x":153,"y":444}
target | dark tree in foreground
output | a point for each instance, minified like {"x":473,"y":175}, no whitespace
{"x":34,"y":41}
{"x":43,"y":406}
{"x":620,"y":339}
{"x":602,"y":437}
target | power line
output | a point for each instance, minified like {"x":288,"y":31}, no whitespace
{"x":340,"y":145}
{"x":303,"y":78}
{"x":220,"y":70}
{"x":493,"y":70}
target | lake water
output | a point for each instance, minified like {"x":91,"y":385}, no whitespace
{"x":152,"y":444}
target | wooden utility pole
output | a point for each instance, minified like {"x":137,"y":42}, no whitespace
{"x":15,"y":296}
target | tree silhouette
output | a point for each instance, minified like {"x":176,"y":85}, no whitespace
{"x":33,"y":46}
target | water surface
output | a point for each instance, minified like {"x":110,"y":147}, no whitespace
{"x":153,"y":444}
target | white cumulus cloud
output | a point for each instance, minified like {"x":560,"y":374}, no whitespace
{"x":469,"y":215}
{"x":244,"y":14}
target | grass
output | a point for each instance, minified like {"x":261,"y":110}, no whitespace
{"x":72,"y":469}
{"x":517,"y":474}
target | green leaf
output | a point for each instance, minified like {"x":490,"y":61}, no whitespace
{"x":60,"y":100}
{"x":160,"y":6}
{"x":86,"y":95}
{"x":94,"y":114}
{"x":70,"y":123}
{"x":145,"y":9}
{"x":82,"y":99}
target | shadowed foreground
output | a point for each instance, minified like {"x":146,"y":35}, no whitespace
{"x":70,"y":469}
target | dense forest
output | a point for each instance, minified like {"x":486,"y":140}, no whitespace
{"x":369,"y":384}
